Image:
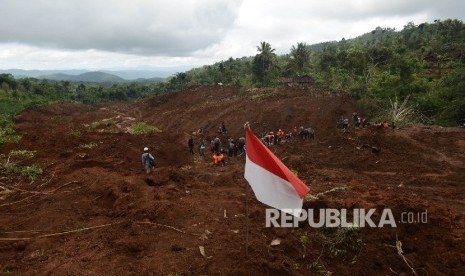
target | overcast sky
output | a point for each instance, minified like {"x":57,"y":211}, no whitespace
{"x":125,"y":34}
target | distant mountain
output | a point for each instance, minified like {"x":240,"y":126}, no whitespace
{"x":20,"y":73}
{"x":97,"y":77}
{"x":141,"y":74}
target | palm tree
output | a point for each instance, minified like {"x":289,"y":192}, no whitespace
{"x":300,"y":56}
{"x":263,"y":60}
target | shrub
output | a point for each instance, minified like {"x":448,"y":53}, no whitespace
{"x":32,"y":172}
{"x":88,"y":145}
{"x":142,"y":128}
{"x":104,"y":122}
{"x":7,"y":135}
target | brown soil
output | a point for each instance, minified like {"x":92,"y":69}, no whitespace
{"x":94,"y":211}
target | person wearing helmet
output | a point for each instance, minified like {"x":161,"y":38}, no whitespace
{"x":148,"y":160}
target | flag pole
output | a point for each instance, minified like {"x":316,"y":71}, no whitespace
{"x":246,"y":126}
{"x":246,"y":220}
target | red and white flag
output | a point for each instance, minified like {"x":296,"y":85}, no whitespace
{"x":272,"y":182}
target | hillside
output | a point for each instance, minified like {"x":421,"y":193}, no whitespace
{"x":94,"y":211}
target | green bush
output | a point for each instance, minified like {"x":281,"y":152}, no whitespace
{"x":7,"y":135}
{"x":88,"y":145}
{"x":104,"y":122}
{"x":142,"y":128}
{"x":31,"y":172}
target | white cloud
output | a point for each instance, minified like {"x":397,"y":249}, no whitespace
{"x":130,"y":33}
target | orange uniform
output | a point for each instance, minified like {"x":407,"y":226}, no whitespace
{"x":218,"y":158}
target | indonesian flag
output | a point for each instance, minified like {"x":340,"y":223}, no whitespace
{"x":272,"y":182}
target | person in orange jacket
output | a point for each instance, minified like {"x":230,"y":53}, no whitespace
{"x":218,"y":158}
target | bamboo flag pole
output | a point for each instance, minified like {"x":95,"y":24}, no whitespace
{"x":246,"y":219}
{"x":246,"y":126}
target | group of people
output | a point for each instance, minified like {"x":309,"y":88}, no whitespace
{"x":232,"y":147}
{"x":270,"y":138}
{"x":222,"y":149}
{"x":359,"y":121}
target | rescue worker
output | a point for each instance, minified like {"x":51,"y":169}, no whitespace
{"x":216,"y":144}
{"x":279,"y":136}
{"x":364,"y":122}
{"x":202,"y":147}
{"x":241,"y":145}
{"x":269,"y":138}
{"x":222,"y":128}
{"x":218,"y":158}
{"x":190,"y":144}
{"x":345,"y":124}
{"x":355,"y":117}
{"x":231,"y":147}
{"x":212,"y":145}
{"x":148,"y":161}
{"x":295,"y":133}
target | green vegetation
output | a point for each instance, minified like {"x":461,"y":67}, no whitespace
{"x":345,"y":240}
{"x":8,"y":135}
{"x":424,"y":62}
{"x":31,"y":172}
{"x":76,"y":133}
{"x":311,"y":197}
{"x":142,"y":128}
{"x":304,"y":242}
{"x":24,"y":154}
{"x":88,"y":145}
{"x":10,"y":165}
{"x":104,"y":122}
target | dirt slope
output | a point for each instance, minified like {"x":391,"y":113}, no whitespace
{"x":94,"y":211}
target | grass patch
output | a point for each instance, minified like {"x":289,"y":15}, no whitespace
{"x":88,"y":145}
{"x":8,"y":135}
{"x":345,"y":240}
{"x":31,"y":172}
{"x":76,"y":133}
{"x":25,"y":154}
{"x":310,"y":197}
{"x":295,"y":172}
{"x":8,"y":166}
{"x":104,"y":123}
{"x":142,"y":128}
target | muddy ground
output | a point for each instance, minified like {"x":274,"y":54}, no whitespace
{"x":94,"y":211}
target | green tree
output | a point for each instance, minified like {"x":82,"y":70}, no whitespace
{"x":300,"y":57}
{"x":453,"y":93}
{"x":263,"y":62}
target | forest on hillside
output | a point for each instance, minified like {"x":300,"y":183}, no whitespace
{"x":422,"y":66}
{"x":418,"y":72}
